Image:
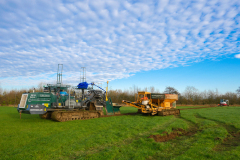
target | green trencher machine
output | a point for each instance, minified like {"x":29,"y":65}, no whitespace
{"x":56,"y":102}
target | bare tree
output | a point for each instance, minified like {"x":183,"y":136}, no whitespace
{"x":211,"y":96}
{"x":232,"y":97}
{"x":134,"y":89}
{"x":190,"y":94}
{"x":1,"y":90}
{"x":152,"y":89}
{"x":238,"y":91}
{"x":40,"y":86}
{"x":138,"y":89}
{"x":204,"y":97}
{"x":171,"y":90}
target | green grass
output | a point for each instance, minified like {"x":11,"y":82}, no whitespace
{"x":185,"y":107}
{"x":121,"y":137}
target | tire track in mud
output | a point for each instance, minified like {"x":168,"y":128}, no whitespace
{"x":193,"y":129}
{"x":231,"y":141}
{"x":180,"y":143}
{"x":178,"y":147}
{"x":175,"y":133}
{"x":229,"y":128}
{"x":121,"y":142}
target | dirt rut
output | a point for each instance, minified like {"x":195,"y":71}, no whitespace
{"x":176,"y":133}
{"x":231,"y":141}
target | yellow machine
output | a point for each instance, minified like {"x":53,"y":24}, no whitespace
{"x":155,"y":103}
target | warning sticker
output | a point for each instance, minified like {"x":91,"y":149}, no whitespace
{"x":45,"y":104}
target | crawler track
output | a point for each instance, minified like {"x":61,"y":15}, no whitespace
{"x":62,"y":116}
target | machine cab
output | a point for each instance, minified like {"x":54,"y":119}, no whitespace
{"x":144,"y":97}
{"x":224,"y":102}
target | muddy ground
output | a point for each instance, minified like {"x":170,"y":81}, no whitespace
{"x":176,"y":133}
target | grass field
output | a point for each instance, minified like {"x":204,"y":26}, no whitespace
{"x":211,"y":133}
{"x":185,"y":107}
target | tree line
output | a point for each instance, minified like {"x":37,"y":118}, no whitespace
{"x":190,"y":96}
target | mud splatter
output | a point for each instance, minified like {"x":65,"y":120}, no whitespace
{"x":176,"y":133}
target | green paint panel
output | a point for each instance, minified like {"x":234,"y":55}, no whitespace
{"x":111,"y":110}
{"x":157,"y":96}
{"x":39,"y":98}
{"x":44,"y":98}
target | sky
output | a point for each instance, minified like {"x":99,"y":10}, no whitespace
{"x":145,"y":43}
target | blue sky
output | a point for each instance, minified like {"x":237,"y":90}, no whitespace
{"x":144,"y":43}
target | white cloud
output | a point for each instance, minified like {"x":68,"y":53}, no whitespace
{"x":237,"y":55}
{"x":113,"y":39}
